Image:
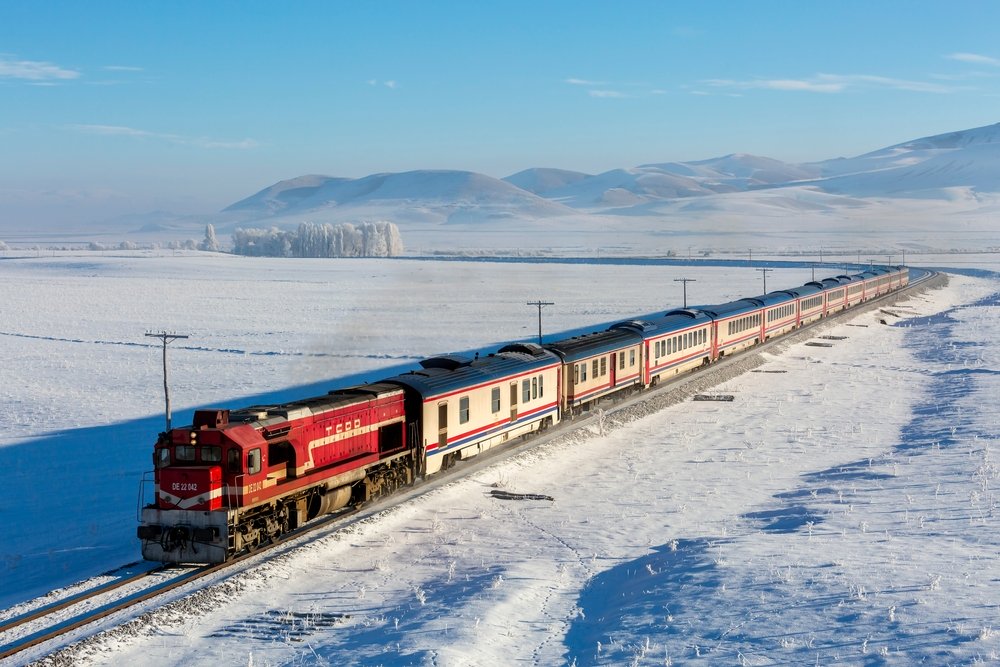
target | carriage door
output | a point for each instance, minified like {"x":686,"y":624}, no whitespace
{"x":442,"y":425}
{"x":513,"y":401}
{"x":614,"y":369}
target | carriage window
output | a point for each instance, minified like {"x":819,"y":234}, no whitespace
{"x":253,"y":461}
{"x":631,"y":358}
{"x":463,"y":410}
{"x":621,"y":361}
{"x":496,"y":399}
{"x":211,"y":454}
{"x":525,"y":391}
{"x":604,"y":365}
{"x":162,"y":457}
{"x":583,"y":372}
{"x":184,"y":452}
{"x":541,"y":389}
{"x":534,"y":387}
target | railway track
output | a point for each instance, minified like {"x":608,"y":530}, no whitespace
{"x":71,"y":618}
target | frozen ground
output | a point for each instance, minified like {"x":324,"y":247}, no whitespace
{"x":81,"y":395}
{"x":840,"y":512}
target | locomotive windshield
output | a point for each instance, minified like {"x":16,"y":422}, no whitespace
{"x":162,"y":457}
{"x":211,"y":454}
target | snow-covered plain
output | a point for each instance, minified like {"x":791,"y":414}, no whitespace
{"x":839,"y":512}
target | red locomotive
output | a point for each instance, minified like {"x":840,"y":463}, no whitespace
{"x":234,"y":479}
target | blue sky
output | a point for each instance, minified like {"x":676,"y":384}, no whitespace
{"x":115,"y":107}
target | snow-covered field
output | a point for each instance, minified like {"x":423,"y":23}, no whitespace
{"x":839,"y":512}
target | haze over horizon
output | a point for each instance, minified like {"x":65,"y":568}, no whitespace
{"x":113,"y":108}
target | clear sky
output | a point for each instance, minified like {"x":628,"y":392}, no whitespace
{"x":113,"y":107}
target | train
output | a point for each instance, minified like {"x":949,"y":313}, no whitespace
{"x":236,"y":479}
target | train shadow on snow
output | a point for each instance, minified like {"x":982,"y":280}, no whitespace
{"x":71,"y":497}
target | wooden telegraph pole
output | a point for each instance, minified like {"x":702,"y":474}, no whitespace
{"x":166,"y":338}
{"x":540,"y":304}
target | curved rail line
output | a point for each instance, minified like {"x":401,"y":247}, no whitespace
{"x":463,"y":468}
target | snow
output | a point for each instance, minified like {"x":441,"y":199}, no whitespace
{"x":840,"y":511}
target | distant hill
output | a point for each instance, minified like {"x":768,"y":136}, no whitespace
{"x":443,"y":195}
{"x":938,"y":166}
{"x":969,"y":160}
{"x":543,"y":180}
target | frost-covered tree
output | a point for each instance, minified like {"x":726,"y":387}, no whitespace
{"x":210,"y":243}
{"x":4,"y":246}
{"x":370,"y":239}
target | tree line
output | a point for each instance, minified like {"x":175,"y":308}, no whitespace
{"x":369,"y":239}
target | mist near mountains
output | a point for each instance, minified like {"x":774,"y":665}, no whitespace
{"x":937,"y":193}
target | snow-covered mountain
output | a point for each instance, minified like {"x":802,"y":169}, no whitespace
{"x":967,"y":160}
{"x":542,"y":180}
{"x":448,"y":196}
{"x":948,"y":167}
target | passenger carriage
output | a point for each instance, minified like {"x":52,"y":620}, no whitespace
{"x":461,"y":406}
{"x":834,"y":293}
{"x":598,"y":364}
{"x":780,"y":313}
{"x":737,"y":325}
{"x":811,"y":302}
{"x":855,"y":286}
{"x":673,"y":343}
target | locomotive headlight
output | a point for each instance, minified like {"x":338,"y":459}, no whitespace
{"x":194,"y":437}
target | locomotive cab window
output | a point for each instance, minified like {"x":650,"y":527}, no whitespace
{"x":211,"y":454}
{"x":162,"y":457}
{"x":184,"y":452}
{"x":253,"y":461}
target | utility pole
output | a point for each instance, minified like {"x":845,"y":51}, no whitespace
{"x":764,"y":273}
{"x":685,"y":281}
{"x":540,"y":304}
{"x":166,"y":338}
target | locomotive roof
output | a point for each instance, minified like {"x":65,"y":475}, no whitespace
{"x":578,"y":347}
{"x":264,"y":415}
{"x":443,"y":375}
